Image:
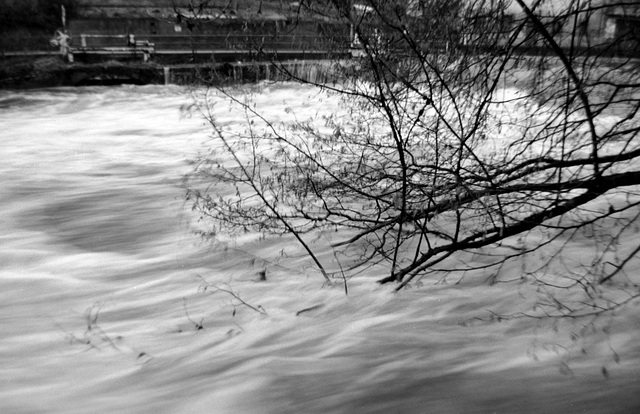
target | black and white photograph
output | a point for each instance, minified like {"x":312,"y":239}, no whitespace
{"x":319,"y":206}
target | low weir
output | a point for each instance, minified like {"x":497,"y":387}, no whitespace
{"x":187,"y":74}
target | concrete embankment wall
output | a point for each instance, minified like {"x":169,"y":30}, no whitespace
{"x":52,"y":72}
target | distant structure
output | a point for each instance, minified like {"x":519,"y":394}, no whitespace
{"x":224,"y":30}
{"x":596,"y":22}
{"x":174,"y":27}
{"x":166,"y":8}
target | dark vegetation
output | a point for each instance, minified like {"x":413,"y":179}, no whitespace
{"x":34,"y":15}
{"x":29,"y":24}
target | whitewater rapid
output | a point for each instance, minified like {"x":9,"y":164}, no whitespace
{"x":109,"y":301}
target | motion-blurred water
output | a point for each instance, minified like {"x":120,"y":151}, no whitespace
{"x":103,"y":305}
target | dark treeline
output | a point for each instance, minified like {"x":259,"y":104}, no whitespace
{"x":34,"y":15}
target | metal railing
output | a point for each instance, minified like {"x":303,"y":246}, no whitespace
{"x":213,"y":42}
{"x":99,"y":40}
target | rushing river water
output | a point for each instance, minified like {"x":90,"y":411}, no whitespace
{"x":103,"y":305}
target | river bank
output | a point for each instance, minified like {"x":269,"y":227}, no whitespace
{"x":30,"y":72}
{"x":51,"y":71}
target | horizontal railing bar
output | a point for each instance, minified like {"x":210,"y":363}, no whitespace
{"x":204,"y":36}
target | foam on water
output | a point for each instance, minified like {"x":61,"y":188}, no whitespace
{"x":102,"y":291}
